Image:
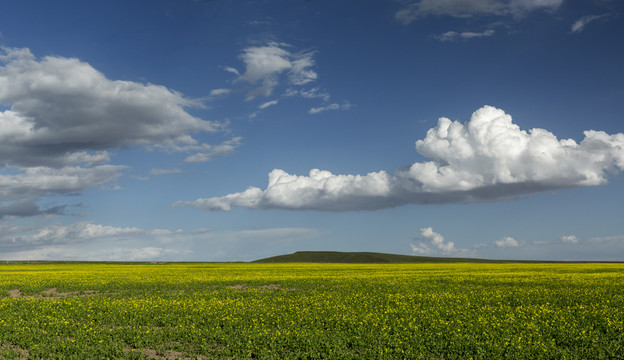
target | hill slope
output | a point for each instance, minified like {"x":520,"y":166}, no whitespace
{"x":359,"y":257}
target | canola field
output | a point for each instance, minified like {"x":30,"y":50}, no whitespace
{"x":312,"y":311}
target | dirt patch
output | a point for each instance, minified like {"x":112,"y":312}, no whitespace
{"x":53,"y":293}
{"x":270,"y":287}
{"x":238,"y":287}
{"x":165,"y":354}
{"x":22,"y":353}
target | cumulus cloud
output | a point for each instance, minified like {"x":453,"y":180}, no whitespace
{"x":436,"y":240}
{"x":488,"y":158}
{"x":62,"y":108}
{"x":59,"y":116}
{"x":264,"y":65}
{"x":580,"y":24}
{"x":506,"y":242}
{"x":466,"y":35}
{"x":470,"y":8}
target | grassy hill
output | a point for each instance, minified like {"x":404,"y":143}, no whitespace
{"x":361,"y":257}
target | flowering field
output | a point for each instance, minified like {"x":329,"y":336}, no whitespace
{"x":312,"y":311}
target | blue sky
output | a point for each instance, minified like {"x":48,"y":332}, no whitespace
{"x":235,"y":130}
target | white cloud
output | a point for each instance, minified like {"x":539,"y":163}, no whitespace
{"x":264,"y":65}
{"x":608,"y":239}
{"x":569,"y":239}
{"x":34,"y":182}
{"x":71,"y":252}
{"x":63,"y":107}
{"x":437,"y":240}
{"x":489,"y":158}
{"x":64,"y":234}
{"x":469,"y":8}
{"x":60,"y":115}
{"x":232,"y":70}
{"x":580,"y":24}
{"x":89,"y":241}
{"x":506,"y":242}
{"x":452,"y":35}
{"x":315,"y":110}
{"x":267,"y":104}
{"x":314,"y":93}
{"x":420,"y":249}
{"x":217,"y":92}
{"x":208,"y":152}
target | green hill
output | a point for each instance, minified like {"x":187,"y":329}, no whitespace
{"x":360,"y":257}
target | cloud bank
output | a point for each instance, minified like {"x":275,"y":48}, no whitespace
{"x":488,"y":158}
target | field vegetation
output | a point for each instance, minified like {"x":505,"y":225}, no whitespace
{"x":312,"y":311}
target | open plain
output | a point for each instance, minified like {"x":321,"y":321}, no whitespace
{"x":311,"y":311}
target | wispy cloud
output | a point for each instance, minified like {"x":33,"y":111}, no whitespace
{"x":344,"y":106}
{"x":580,"y":24}
{"x":90,"y":241}
{"x":489,"y":158}
{"x":208,"y":152}
{"x":466,"y":35}
{"x":267,"y":104}
{"x":470,"y":8}
{"x":217,"y":92}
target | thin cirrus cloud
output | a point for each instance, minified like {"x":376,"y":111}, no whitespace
{"x":344,"y":106}
{"x":470,"y":8}
{"x":465,"y":35}
{"x":267,"y":104}
{"x":488,"y":158}
{"x":580,"y":24}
